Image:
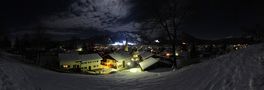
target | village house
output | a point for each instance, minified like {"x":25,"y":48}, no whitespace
{"x":90,"y":62}
{"x":147,"y":60}
{"x":122,"y":60}
{"x":145,"y":64}
{"x":145,"y":55}
{"x":69,"y":61}
{"x":117,"y":61}
{"x":87,"y":62}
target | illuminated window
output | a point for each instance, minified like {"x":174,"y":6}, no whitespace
{"x":177,"y":54}
{"x":66,"y":66}
{"x":135,"y":55}
{"x":129,"y":63}
{"x":168,"y":54}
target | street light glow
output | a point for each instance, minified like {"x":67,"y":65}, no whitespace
{"x":177,"y":54}
{"x":79,"y":49}
{"x":168,"y":54}
{"x":157,"y":41}
{"x":122,"y":43}
{"x":129,"y":63}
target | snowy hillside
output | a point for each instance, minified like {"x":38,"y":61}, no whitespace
{"x":241,"y":70}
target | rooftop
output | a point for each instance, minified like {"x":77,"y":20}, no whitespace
{"x":88,"y":57}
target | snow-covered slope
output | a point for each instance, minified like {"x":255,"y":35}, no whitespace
{"x":241,"y":70}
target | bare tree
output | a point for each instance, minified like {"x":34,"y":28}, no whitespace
{"x":40,"y":41}
{"x":168,"y":16}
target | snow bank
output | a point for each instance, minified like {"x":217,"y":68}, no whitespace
{"x":13,"y":77}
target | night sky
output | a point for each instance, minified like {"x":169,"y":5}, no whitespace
{"x":211,"y":19}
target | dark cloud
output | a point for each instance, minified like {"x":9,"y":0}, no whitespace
{"x":210,"y":18}
{"x":103,"y":14}
{"x":222,"y":18}
{"x":21,"y":12}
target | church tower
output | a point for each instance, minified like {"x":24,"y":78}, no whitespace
{"x":126,"y":46}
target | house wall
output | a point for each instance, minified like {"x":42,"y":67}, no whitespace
{"x":90,"y":65}
{"x":69,"y":63}
{"x":121,"y":64}
{"x":110,"y":63}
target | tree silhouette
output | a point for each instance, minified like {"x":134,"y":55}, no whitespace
{"x":166,"y":15}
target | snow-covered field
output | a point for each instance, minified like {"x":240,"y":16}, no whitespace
{"x":241,"y":70}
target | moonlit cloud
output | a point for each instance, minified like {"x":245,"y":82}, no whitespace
{"x":103,"y":14}
{"x":219,"y":18}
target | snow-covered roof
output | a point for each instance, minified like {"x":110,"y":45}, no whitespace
{"x":126,"y":54}
{"x":145,"y":55}
{"x":68,"y":57}
{"x":119,"y":56}
{"x":88,"y":57}
{"x":148,"y":62}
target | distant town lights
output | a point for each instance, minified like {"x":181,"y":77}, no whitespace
{"x":177,"y":54}
{"x":168,"y":54}
{"x":157,"y":41}
{"x":122,"y":43}
{"x":117,"y":44}
{"x":79,"y":49}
